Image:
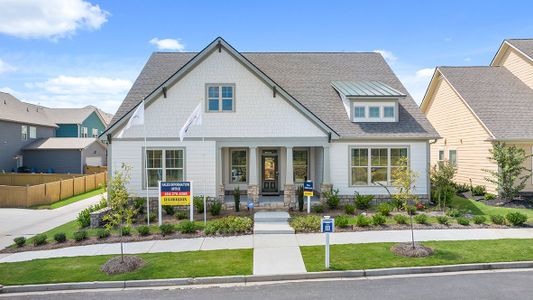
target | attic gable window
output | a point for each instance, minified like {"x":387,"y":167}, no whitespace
{"x":220,"y":97}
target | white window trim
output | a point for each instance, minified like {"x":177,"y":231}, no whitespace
{"x":231,"y":150}
{"x":219,"y":85}
{"x":24,"y":132}
{"x":369,"y":166}
{"x":84,"y":132}
{"x":456,"y":158}
{"x":93,"y":132}
{"x":33,"y":132}
{"x":308,"y":154}
{"x":381,"y":104}
{"x":163,"y":165}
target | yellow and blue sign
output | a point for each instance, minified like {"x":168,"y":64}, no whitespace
{"x":175,"y":193}
{"x":308,"y":188}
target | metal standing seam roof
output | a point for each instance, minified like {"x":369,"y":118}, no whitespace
{"x":366,"y":89}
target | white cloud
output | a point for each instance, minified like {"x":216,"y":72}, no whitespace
{"x":5,"y":67}
{"x":467,"y":59}
{"x":418,"y":82}
{"x":83,"y":85}
{"x":388,"y":55}
{"x":167,"y":44}
{"x":49,"y":19}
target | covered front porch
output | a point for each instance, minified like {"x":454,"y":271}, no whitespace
{"x":268,"y":174}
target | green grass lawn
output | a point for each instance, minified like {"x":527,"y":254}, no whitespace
{"x":479,"y":208}
{"x":71,"y":200}
{"x":157,"y":266}
{"x":378,"y":255}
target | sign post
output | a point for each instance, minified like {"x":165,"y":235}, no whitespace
{"x":308,"y":192}
{"x":175,"y":193}
{"x":327,"y":225}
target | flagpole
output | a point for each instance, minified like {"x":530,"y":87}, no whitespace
{"x":146,"y":173}
{"x":205,"y":204}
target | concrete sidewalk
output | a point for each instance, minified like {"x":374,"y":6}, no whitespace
{"x":261,"y":244}
{"x":16,"y":222}
{"x":277,"y":254}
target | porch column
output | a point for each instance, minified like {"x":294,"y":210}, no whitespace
{"x":253,"y":189}
{"x":220,"y":183}
{"x":289,"y":197}
{"x":326,"y":181}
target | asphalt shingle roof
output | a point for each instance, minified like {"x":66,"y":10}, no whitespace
{"x":306,"y":76}
{"x":12,"y":109}
{"x":524,"y":45}
{"x":55,"y":143}
{"x":497,"y":97}
{"x":69,"y":115}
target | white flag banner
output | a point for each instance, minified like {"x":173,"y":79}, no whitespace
{"x":194,"y":119}
{"x":136,"y":119}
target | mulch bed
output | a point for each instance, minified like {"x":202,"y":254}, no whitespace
{"x":119,"y":265}
{"x":353,"y":228}
{"x":523,"y":203}
{"x":407,"y":249}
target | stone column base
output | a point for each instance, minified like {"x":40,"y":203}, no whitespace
{"x":289,"y":195}
{"x":324,"y":187}
{"x":253,"y":193}
{"x":221,"y":193}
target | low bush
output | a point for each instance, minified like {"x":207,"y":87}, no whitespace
{"x":479,"y":219}
{"x":332,"y":198}
{"x":102,"y":233}
{"x":167,"y":229}
{"x":479,"y":190}
{"x":463,"y":221}
{"x":421,"y":219}
{"x":80,"y":235}
{"x":181,"y":215}
{"x":342,"y":221}
{"x":362,"y":221}
{"x":306,"y":223}
{"x":126,"y":230}
{"x":349,"y":209}
{"x":489,"y":196}
{"x":230,"y":225}
{"x":153,"y":217}
{"x":39,"y":239}
{"x":143,"y":230}
{"x":410,"y":210}
{"x":401,"y":219}
{"x":138,"y":205}
{"x":497,"y":219}
{"x":516,"y":218}
{"x":317,"y":209}
{"x":215,"y":208}
{"x":384,"y":209}
{"x":454,"y":213}
{"x":444,"y":220}
{"x":169,"y":210}
{"x":379,"y":219}
{"x":186,"y":227}
{"x":84,"y":217}
{"x":20,"y":241}
{"x":462,"y":187}
{"x":363,"y":201}
{"x":396,"y":204}
{"x":198,"y":202}
{"x":60,"y":237}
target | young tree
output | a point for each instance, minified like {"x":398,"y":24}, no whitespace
{"x":403,"y":179}
{"x":442,"y":183}
{"x":511,"y":176}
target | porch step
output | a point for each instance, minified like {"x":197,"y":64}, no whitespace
{"x":273,"y":228}
{"x":271,"y":216}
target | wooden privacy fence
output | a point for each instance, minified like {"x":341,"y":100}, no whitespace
{"x":95,"y":169}
{"x":49,"y":192}
{"x":24,"y":179}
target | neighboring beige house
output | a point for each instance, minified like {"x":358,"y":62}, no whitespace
{"x":472,"y":107}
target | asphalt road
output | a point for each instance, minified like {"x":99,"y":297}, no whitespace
{"x":487,"y":285}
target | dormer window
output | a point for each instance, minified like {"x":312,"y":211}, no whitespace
{"x":374,"y":111}
{"x":220,"y":97}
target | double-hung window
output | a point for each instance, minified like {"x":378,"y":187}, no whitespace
{"x":164,"y":165}
{"x":452,"y":157}
{"x":24,"y":132}
{"x":220,"y":97}
{"x":84,"y":132}
{"x":95,"y":132}
{"x":300,"y":164}
{"x":239,"y":166}
{"x":33,"y":132}
{"x":375,"y":165}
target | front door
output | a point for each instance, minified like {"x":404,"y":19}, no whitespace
{"x":269,"y":162}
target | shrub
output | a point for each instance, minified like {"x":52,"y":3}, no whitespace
{"x":237,"y":198}
{"x":489,"y":196}
{"x":126,"y":230}
{"x":186,"y":227}
{"x":198,"y":202}
{"x":181,"y":215}
{"x":463,"y":221}
{"x":215,"y":208}
{"x":39,"y":239}
{"x":169,"y":210}
{"x":443,"y":220}
{"x":60,"y":237}
{"x":84,"y":216}
{"x":153,"y":217}
{"x":479,"y":190}
{"x":516,"y":218}
{"x":138,"y":204}
{"x":379,"y":219}
{"x":230,"y":225}
{"x":306,"y":223}
{"x":420,"y":206}
{"x":166,"y":229}
{"x":300,"y":195}
{"x":384,"y":209}
{"x":479,"y":219}
{"x":20,"y":241}
{"x":349,"y":209}
{"x":143,"y":230}
{"x":411,"y":210}
{"x":396,"y":203}
{"x":421,"y":219}
{"x":400,"y":219}
{"x":363,"y":201}
{"x":318,"y":209}
{"x":362,"y":221}
{"x":454,"y":213}
{"x":80,"y":235}
{"x":332,"y":198}
{"x":102,"y":233}
{"x":342,"y":221}
{"x":462,"y":187}
{"x":497,"y":219}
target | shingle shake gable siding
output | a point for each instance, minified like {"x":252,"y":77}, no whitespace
{"x":307,"y":77}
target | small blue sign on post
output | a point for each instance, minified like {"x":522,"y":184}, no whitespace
{"x":308,"y":188}
{"x":327,"y":225}
{"x":250,"y":205}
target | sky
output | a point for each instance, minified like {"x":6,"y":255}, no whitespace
{"x":73,"y":53}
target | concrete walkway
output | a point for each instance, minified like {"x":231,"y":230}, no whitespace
{"x":16,"y":222}
{"x":264,"y":244}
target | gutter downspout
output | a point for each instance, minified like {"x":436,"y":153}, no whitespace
{"x":429,"y":166}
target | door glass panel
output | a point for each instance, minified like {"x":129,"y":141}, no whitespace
{"x":269,"y":169}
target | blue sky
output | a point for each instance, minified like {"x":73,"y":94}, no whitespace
{"x":90,"y":52}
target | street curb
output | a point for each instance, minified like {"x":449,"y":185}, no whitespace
{"x":243,"y":279}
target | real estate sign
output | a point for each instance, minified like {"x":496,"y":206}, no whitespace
{"x":308,"y":188}
{"x":175,"y":193}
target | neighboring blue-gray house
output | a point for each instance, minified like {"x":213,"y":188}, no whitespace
{"x":77,"y":122}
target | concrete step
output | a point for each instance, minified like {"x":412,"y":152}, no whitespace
{"x":273,"y":228}
{"x":271,"y":216}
